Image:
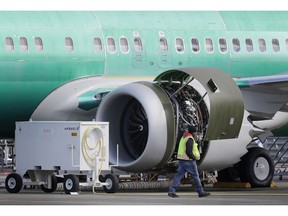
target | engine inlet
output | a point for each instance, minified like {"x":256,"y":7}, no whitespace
{"x":134,"y":130}
{"x":141,"y":122}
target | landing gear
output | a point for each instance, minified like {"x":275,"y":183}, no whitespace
{"x":230,"y":174}
{"x":257,"y":168}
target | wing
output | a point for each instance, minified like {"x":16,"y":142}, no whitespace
{"x":264,"y":96}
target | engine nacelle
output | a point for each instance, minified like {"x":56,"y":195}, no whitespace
{"x":141,"y":123}
{"x":147,"y":119}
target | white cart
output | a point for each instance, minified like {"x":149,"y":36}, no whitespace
{"x":74,"y":153}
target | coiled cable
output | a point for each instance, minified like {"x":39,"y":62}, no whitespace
{"x":92,"y":149}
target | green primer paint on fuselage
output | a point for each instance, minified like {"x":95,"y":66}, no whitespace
{"x":26,"y":78}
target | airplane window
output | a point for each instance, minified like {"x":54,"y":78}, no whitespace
{"x":38,"y":44}
{"x":209,"y":45}
{"x":249,"y":45}
{"x":138,"y":45}
{"x":23,"y":44}
{"x":195,"y":45}
{"x":163,"y":45}
{"x":179,"y":43}
{"x":97,"y":45}
{"x":222,"y":45}
{"x":9,"y":44}
{"x":111,"y":45}
{"x":124,"y":45}
{"x":275,"y":44}
{"x":236,"y":45}
{"x":262,"y":45}
{"x":69,"y":44}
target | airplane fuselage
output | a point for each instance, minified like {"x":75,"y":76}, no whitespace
{"x":41,"y":51}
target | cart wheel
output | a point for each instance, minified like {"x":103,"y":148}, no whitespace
{"x":53,"y":186}
{"x":101,"y":178}
{"x":113,"y":183}
{"x":13,"y":183}
{"x":71,"y":183}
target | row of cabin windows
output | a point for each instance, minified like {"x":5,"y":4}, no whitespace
{"x":38,"y":43}
{"x":124,"y":45}
{"x":195,"y":45}
{"x":223,"y":47}
{"x":261,"y":45}
{"x":179,"y":45}
{"x":111,"y":45}
{"x":9,"y":42}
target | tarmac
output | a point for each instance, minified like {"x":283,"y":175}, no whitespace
{"x":273,"y":196}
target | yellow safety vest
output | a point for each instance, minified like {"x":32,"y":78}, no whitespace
{"x":182,"y":149}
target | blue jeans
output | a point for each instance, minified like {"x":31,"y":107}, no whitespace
{"x":190,"y":167}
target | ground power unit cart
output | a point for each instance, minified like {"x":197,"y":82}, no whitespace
{"x":49,"y":153}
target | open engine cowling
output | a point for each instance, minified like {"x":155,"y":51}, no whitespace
{"x":148,"y":118}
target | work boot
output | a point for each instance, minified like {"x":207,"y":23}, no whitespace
{"x":174,"y":195}
{"x":204,"y":194}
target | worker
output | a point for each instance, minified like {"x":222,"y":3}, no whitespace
{"x":187,"y":163}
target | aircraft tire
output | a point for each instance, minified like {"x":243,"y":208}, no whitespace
{"x":257,"y":168}
{"x":13,"y":183}
{"x":53,"y":188}
{"x":71,"y":183}
{"x":113,"y":183}
{"x":229,"y":174}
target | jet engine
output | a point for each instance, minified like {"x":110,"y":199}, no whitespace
{"x":147,"y":119}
